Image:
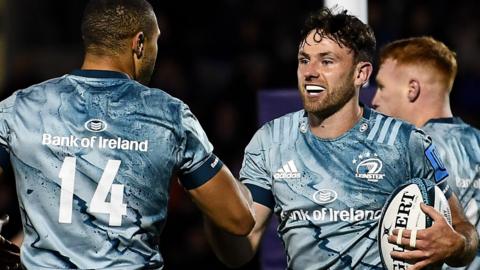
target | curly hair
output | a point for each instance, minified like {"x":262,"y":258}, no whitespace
{"x":346,"y":30}
{"x":106,"y":24}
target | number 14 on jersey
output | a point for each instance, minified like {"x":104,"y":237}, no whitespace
{"x":116,"y":208}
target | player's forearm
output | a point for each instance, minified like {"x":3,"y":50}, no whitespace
{"x":234,"y":251}
{"x":468,"y":249}
{"x":238,"y":215}
{"x":223,"y":200}
{"x":237,"y":220}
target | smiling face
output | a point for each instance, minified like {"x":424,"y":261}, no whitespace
{"x":325,"y":75}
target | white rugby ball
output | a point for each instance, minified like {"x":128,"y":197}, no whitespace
{"x":402,"y":210}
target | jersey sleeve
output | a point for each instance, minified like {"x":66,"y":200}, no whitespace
{"x":255,"y":173}
{"x":425,"y":162}
{"x":6,"y":107}
{"x":197,"y":163}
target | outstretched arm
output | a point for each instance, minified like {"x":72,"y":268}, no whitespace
{"x":235,"y":251}
{"x":222,"y":201}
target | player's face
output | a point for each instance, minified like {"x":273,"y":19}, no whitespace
{"x":325,"y":75}
{"x":391,"y":98}
{"x":148,"y":64}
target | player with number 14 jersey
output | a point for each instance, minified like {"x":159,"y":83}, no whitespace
{"x":93,"y":167}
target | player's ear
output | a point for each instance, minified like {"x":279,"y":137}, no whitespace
{"x":138,"y":44}
{"x":413,"y":90}
{"x":362,"y":73}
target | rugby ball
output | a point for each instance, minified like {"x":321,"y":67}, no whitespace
{"x":402,"y":210}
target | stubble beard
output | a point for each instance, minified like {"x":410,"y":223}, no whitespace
{"x":333,"y":101}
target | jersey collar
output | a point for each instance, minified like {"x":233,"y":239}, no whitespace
{"x":445,"y":120}
{"x":366,"y":111}
{"x":99,"y":74}
{"x":365,"y":117}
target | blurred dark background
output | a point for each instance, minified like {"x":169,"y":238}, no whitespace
{"x":216,"y":55}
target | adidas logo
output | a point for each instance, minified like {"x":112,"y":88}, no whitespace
{"x":288,"y":171}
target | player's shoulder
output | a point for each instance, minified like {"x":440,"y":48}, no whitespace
{"x":464,"y":126}
{"x":156,"y":96}
{"x":156,"y":101}
{"x":452,"y":127}
{"x":279,"y":131}
{"x":40,"y":88}
{"x":35,"y":91}
{"x":9,"y":102}
{"x":467,"y":130}
{"x":284,"y":127}
{"x":390,"y":130}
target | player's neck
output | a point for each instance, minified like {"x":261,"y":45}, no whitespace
{"x":433,"y":110}
{"x":97,"y":62}
{"x":338,"y":123}
{"x":423,"y":119}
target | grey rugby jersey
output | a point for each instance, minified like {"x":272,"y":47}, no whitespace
{"x":459,"y":146}
{"x":328,"y":194}
{"x":93,"y":154}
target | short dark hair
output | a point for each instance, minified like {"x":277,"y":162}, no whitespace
{"x":346,"y":30}
{"x":106,"y":23}
{"x":425,"y":52}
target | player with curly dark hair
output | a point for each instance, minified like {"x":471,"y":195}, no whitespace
{"x":326,"y":171}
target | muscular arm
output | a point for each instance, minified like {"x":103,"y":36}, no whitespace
{"x":468,"y":240}
{"x":235,"y":251}
{"x":222,"y":201}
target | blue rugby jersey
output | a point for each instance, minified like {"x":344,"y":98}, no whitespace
{"x":93,"y":154}
{"x":459,"y":146}
{"x":328,"y":194}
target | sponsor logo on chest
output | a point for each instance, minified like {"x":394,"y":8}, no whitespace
{"x":327,"y":212}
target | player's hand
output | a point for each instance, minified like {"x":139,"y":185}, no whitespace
{"x":9,"y":252}
{"x":9,"y":255}
{"x":432,"y":246}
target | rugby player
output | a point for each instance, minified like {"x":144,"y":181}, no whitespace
{"x":414,"y":83}
{"x":327,"y":170}
{"x":95,"y":151}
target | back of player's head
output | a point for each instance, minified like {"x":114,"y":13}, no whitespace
{"x":106,"y":24}
{"x":424,"y":52}
{"x":346,"y":30}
